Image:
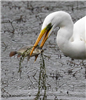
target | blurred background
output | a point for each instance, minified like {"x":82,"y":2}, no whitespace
{"x":20,"y":25}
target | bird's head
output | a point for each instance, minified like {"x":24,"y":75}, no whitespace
{"x":44,"y":33}
{"x":50,"y":22}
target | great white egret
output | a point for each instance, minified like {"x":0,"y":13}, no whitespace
{"x":71,"y":38}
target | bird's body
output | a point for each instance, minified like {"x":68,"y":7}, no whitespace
{"x":71,"y":38}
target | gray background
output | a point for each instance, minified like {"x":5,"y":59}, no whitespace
{"x":20,"y":25}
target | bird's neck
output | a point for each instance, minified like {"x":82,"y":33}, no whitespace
{"x":65,"y":24}
{"x":63,"y":38}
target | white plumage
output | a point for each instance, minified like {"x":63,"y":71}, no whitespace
{"x":71,"y":38}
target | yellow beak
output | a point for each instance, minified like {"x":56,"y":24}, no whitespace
{"x":45,"y":32}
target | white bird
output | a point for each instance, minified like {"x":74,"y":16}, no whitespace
{"x":71,"y":38}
